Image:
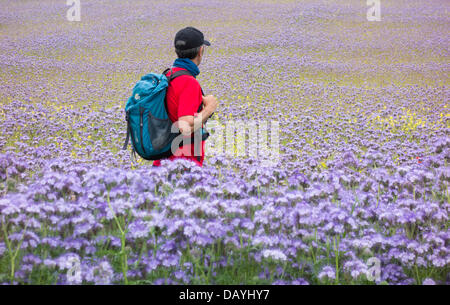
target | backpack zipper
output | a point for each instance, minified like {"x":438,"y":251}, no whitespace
{"x":141,"y":110}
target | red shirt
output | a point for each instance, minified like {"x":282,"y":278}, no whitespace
{"x":184,"y":97}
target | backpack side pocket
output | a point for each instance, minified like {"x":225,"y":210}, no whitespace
{"x":159,"y":130}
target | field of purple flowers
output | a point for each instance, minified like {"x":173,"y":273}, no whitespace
{"x":364,"y":161}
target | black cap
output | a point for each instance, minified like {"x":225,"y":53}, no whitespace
{"x":189,"y":38}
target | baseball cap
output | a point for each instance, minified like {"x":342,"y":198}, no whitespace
{"x":189,"y":38}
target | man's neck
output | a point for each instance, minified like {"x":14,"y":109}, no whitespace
{"x":196,"y":61}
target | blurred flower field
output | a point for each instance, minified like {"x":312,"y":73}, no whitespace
{"x":364,"y":140}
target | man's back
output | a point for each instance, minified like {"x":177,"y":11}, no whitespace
{"x":184,"y":97}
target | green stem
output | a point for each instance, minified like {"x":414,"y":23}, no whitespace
{"x":144,"y":246}
{"x":124,"y":259}
{"x":337,"y":258}
{"x":312,"y":253}
{"x":13,"y":254}
{"x":448,"y":197}
{"x":6,"y":184}
{"x":418,"y":281}
{"x":155,"y":242}
{"x":284,"y":270}
{"x":123,"y":252}
{"x":378,"y":197}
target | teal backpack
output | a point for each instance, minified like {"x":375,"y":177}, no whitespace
{"x":148,"y":123}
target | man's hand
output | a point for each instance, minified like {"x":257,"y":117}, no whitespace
{"x":188,"y":124}
{"x":210,"y":103}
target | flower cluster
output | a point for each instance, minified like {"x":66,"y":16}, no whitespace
{"x":364,"y":148}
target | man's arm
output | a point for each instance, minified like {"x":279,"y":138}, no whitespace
{"x":189,"y":123}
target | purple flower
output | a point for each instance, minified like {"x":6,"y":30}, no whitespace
{"x":428,"y":281}
{"x":327,"y":273}
{"x":299,"y":281}
{"x":274,"y":254}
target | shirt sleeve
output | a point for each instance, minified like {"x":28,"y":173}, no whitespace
{"x":190,"y":98}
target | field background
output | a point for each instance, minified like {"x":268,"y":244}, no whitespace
{"x":364,"y":118}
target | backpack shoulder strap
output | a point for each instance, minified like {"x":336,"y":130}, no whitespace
{"x":174,"y":75}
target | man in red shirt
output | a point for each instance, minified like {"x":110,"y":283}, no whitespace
{"x":184,"y":94}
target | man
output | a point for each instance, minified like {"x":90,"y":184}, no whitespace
{"x":184,"y":94}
